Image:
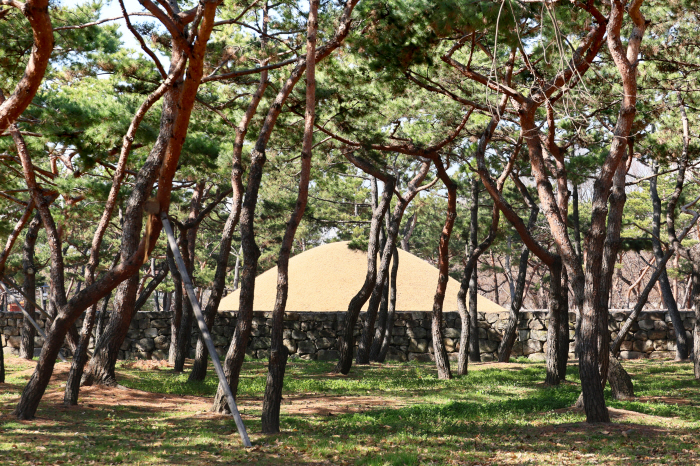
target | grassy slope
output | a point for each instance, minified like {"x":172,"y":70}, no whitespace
{"x":492,"y":416}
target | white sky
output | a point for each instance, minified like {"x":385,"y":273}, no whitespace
{"x":111,"y":9}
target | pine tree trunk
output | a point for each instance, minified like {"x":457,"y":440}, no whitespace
{"x":189,"y":238}
{"x":563,"y":330}
{"x":383,"y":314}
{"x":378,"y":293}
{"x":101,"y":367}
{"x":381,"y":282}
{"x":391,"y":312}
{"x":101,"y":318}
{"x":695,"y":256}
{"x":251,"y":252}
{"x":553,"y":341}
{"x":278,"y":351}
{"x":133,"y":250}
{"x":577,"y":244}
{"x":666,"y":291}
{"x":474,"y":351}
{"x":346,"y":341}
{"x":176,"y":318}
{"x":441,"y":361}
{"x":620,"y":381}
{"x":408,"y":232}
{"x":70,"y":395}
{"x":26,"y":348}
{"x":2,"y":364}
{"x":104,"y":359}
{"x":510,"y":331}
{"x":199,"y":368}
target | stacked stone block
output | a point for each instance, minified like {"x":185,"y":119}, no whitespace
{"x":314,"y":335}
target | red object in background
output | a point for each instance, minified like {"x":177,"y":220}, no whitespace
{"x":14,"y":307}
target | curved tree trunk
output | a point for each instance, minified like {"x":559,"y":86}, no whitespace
{"x":510,"y":332}
{"x":391,"y":311}
{"x":199,"y":367}
{"x":666,"y":291}
{"x":160,"y":164}
{"x":38,"y":14}
{"x":101,"y":367}
{"x":441,"y":361}
{"x":26,"y":348}
{"x":251,"y":252}
{"x":394,"y":223}
{"x":346,"y":341}
{"x":278,"y":352}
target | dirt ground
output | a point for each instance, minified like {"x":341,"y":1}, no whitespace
{"x":317,"y":404}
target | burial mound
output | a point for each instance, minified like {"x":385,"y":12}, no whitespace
{"x":325,"y":278}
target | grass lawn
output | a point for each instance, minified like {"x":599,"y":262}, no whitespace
{"x":389,"y":414}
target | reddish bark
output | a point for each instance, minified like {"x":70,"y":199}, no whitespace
{"x":37,"y":13}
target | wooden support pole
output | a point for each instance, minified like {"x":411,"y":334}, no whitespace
{"x":206,"y":336}
{"x":31,"y":319}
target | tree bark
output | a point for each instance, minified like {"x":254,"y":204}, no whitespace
{"x":510,"y":332}
{"x":19,"y":226}
{"x":441,"y":361}
{"x":553,"y":354}
{"x":162,"y":164}
{"x":100,"y":324}
{"x":394,"y":222}
{"x":620,"y":380}
{"x":70,"y":395}
{"x":471,"y":338}
{"x":579,"y":254}
{"x":26,"y":348}
{"x":37,"y":13}
{"x":251,"y":252}
{"x":391,"y":311}
{"x":176,"y":318}
{"x":101,"y":367}
{"x":563,"y":330}
{"x":408,"y":232}
{"x":278,"y":352}
{"x":199,"y":368}
{"x":695,"y":255}
{"x":189,"y":237}
{"x":346,"y":341}
{"x":666,"y":291}
{"x":495,"y":278}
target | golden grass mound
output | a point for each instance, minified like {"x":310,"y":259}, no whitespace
{"x":326,"y":278}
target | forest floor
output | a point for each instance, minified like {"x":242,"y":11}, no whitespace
{"x":383,"y":414}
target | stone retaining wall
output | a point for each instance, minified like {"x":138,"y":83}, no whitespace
{"x":313,"y":335}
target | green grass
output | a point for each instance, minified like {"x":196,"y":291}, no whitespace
{"x":492,"y":416}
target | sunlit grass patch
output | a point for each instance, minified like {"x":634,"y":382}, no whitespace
{"x":394,"y":413}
